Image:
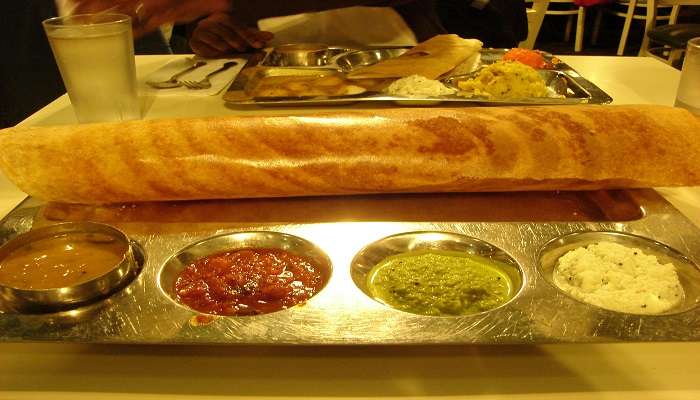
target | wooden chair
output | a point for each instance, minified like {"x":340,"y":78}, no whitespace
{"x":630,"y":14}
{"x":673,"y":40}
{"x":535,"y":16}
{"x":652,"y":16}
{"x":580,"y":13}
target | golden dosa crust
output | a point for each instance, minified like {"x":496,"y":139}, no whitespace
{"x":431,"y":59}
{"x":380,"y":151}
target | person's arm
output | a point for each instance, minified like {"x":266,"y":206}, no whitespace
{"x":148,"y":15}
{"x":222,"y":33}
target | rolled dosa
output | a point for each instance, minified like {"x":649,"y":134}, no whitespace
{"x":397,"y":150}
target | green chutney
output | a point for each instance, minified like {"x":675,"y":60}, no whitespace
{"x":432,"y":282}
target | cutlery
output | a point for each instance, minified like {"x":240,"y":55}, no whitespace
{"x":173,"y":82}
{"x":205,"y":83}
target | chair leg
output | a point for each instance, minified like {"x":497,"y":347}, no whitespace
{"x":569,"y":25}
{"x":580,"y":22}
{"x":626,"y":28}
{"x":675,"y":10}
{"x":674,"y":55}
{"x":596,"y":26}
{"x":648,"y":25}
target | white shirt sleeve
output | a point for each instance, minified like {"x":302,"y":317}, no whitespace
{"x":351,"y":26}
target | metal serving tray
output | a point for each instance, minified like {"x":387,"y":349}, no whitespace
{"x":525,"y":229}
{"x":576,"y":89}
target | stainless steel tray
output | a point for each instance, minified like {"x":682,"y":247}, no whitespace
{"x":578,"y":90}
{"x":518,"y":226}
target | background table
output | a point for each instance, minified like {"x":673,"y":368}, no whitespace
{"x":637,"y":371}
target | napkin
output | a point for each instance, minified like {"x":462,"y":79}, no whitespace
{"x":219,"y":81}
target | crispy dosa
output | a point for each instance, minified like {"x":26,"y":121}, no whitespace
{"x":380,"y":151}
{"x":431,"y":59}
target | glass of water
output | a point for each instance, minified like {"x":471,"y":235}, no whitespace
{"x":688,"y":95}
{"x":95,"y":54}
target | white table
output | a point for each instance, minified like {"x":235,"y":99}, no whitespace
{"x":601,"y":371}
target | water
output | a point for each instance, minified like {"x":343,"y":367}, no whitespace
{"x":688,"y":95}
{"x":99,"y":73}
{"x":688,"y":106}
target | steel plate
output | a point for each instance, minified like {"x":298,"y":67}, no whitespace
{"x":579,"y":90}
{"x":341,"y":227}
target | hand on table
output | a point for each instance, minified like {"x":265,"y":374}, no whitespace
{"x":148,"y":15}
{"x":221,"y":33}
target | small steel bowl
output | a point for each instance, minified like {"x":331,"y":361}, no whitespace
{"x":299,"y":55}
{"x":375,"y":252}
{"x":356,"y":59}
{"x":238,"y":241}
{"x":688,"y":272}
{"x":56,"y":299}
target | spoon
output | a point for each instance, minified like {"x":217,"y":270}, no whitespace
{"x":173,"y":82}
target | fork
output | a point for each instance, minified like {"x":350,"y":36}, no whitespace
{"x":205,"y":83}
{"x":173,"y":82}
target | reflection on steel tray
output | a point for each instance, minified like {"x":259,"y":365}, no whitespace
{"x":563,"y":82}
{"x":526,"y":230}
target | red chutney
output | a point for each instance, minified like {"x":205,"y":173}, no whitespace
{"x":532,"y":58}
{"x":248,"y":282}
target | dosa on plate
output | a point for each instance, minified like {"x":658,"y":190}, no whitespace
{"x":431,"y":59}
{"x":379,"y":151}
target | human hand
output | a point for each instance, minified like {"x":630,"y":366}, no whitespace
{"x":148,"y":15}
{"x":221,"y":33}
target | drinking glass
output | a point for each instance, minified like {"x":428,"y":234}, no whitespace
{"x":688,"y":95}
{"x":95,"y":54}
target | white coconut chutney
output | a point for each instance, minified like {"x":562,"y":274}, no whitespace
{"x":418,"y":86}
{"x":619,"y":278}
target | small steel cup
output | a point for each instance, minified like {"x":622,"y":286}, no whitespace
{"x":238,"y":241}
{"x":300,"y":55}
{"x":55,"y":299}
{"x":357,"y":59}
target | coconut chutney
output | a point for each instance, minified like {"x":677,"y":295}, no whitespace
{"x":618,"y":278}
